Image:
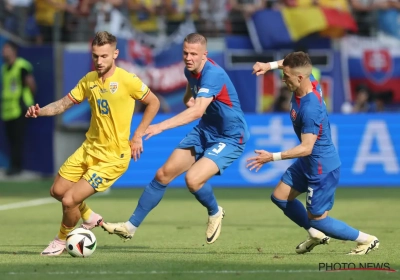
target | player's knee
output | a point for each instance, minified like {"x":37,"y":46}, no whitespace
{"x":57,"y":193}
{"x":163,"y":175}
{"x":316,"y":216}
{"x":166,"y":174}
{"x":279,"y":202}
{"x":192,"y":181}
{"x":68,"y":202}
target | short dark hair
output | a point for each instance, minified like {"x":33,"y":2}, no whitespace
{"x":196,"y":38}
{"x":297,"y":59}
{"x":103,"y":38}
{"x":12,"y":45}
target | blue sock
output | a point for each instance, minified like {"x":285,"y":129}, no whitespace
{"x":205,"y":196}
{"x":151,"y":196}
{"x":335,"y":228}
{"x":294,"y":210}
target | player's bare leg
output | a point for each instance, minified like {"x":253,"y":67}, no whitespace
{"x":196,"y":181}
{"x":71,"y":215}
{"x":179,"y":161}
{"x":58,"y":190}
{"x":60,"y":187}
{"x":285,"y":197}
{"x":72,"y":199}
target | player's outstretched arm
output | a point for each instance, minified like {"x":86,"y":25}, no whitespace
{"x":260,"y":68}
{"x":189,"y":115}
{"x":152,"y":106}
{"x":52,"y":109}
{"x":185,"y":117}
{"x":304,"y":149}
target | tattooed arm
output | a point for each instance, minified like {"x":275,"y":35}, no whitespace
{"x":52,"y":109}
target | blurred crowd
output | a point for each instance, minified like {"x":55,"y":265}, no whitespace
{"x":38,"y":20}
{"x":44,"y":21}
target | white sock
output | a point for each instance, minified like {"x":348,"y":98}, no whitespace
{"x":315,"y":233}
{"x":130,"y":227}
{"x":216,"y":214}
{"x":362,"y":237}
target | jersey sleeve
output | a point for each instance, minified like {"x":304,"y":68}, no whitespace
{"x":311,"y":121}
{"x":78,"y":93}
{"x":211,"y":85}
{"x":138,"y":89}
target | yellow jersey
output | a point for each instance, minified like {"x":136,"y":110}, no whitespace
{"x":45,"y":13}
{"x":143,"y":21}
{"x":112,"y":104}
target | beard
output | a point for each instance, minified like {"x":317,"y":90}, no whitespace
{"x":103,"y":71}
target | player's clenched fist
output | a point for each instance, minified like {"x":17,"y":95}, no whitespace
{"x":33,"y":111}
{"x":260,"y":68}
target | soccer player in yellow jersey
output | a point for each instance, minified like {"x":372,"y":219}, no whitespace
{"x":105,"y":154}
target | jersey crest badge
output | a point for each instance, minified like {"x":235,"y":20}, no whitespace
{"x":113,"y":87}
{"x":293,"y":115}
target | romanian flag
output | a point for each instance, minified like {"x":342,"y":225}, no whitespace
{"x":271,"y":29}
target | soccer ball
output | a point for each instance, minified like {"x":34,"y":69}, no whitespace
{"x":81,"y":243}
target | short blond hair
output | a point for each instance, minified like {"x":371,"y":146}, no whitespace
{"x":103,"y":38}
{"x":196,"y":38}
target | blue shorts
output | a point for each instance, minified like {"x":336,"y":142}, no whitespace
{"x":217,"y":149}
{"x":320,"y":188}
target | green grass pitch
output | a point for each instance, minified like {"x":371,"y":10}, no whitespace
{"x":257,"y":240}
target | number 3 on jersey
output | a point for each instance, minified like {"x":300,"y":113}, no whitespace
{"x":103,"y":106}
{"x":220,"y":147}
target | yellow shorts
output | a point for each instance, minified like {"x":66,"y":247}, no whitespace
{"x":100,"y":174}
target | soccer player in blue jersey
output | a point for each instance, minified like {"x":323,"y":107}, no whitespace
{"x":212,"y":145}
{"x":317,"y":168}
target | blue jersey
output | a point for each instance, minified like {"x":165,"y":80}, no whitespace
{"x":309,"y":115}
{"x":224,"y":117}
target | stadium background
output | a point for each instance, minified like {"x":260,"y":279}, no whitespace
{"x":346,"y":55}
{"x":354,"y":44}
